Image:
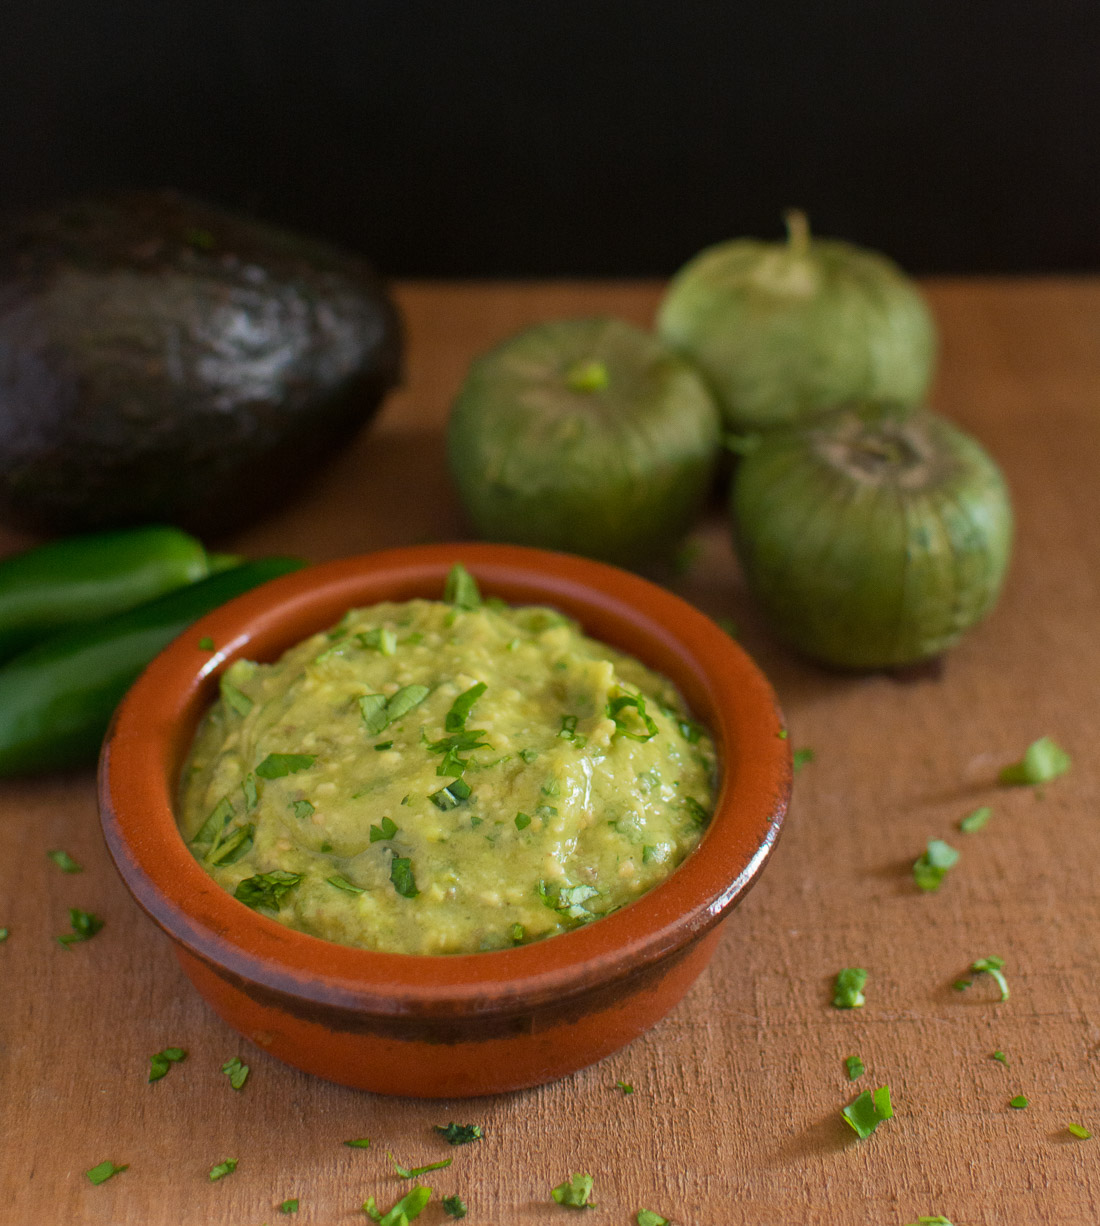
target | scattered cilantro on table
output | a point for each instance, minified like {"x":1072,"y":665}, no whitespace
{"x":646,"y":1217}
{"x":160,"y":1062}
{"x":410,"y":1205}
{"x":414,"y":1172}
{"x":358,"y":1143}
{"x":84,"y":924}
{"x":236,"y":1072}
{"x":930,"y":868}
{"x":848,"y":990}
{"x":65,"y":862}
{"x":865,"y":1113}
{"x":221,"y":1169}
{"x":854,"y":1067}
{"x":800,"y":758}
{"x":993,"y":967}
{"x":289,"y":1206}
{"x":104,"y":1171}
{"x":454,"y":1206}
{"x":1043,"y":761}
{"x":459,"y":1134}
{"x":1019,"y":1102}
{"x":976,"y":820}
{"x":575,"y":1193}
{"x":1079,"y":1131}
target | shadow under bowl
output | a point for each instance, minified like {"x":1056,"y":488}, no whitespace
{"x":451,"y":1025}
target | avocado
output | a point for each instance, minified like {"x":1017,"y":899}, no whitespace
{"x":166,"y":360}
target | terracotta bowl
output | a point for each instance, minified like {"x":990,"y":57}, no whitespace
{"x":455,"y":1025}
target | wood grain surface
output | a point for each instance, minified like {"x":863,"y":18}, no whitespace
{"x":735,"y":1116}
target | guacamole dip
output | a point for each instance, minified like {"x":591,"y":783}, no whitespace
{"x":445,"y":777}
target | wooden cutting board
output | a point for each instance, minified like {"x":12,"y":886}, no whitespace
{"x":735,"y":1115}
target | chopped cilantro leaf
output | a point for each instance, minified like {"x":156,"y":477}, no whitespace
{"x":84,"y":924}
{"x":251,"y":792}
{"x":519,"y":933}
{"x":276,"y":765}
{"x":206,"y":643}
{"x":930,"y":868}
{"x":848,"y":990}
{"x":1079,"y":1131}
{"x":1000,"y":1056}
{"x":649,"y":853}
{"x":401,"y":875}
{"x":455,"y":720}
{"x":575,"y":1192}
{"x":646,"y":1217}
{"x":628,"y":727}
{"x":220,"y":817}
{"x":222,"y":1169}
{"x":936,"y":1220}
{"x":801,"y":758}
{"x":625,"y":1086}
{"x":523,"y":820}
{"x":379,"y":712}
{"x":378,"y":639}
{"x":342,"y":883}
{"x":865,"y":1113}
{"x":381,"y":746}
{"x":1019,"y":1102}
{"x":960,"y":985}
{"x":465,"y":741}
{"x":236,"y":1072}
{"x":235,"y":698}
{"x":160,"y":1062}
{"x":4,"y":934}
{"x":698,"y":813}
{"x":454,"y":1206}
{"x":689,"y":730}
{"x":65,"y":862}
{"x":358,"y":1143}
{"x":104,"y":1171}
{"x":452,"y":795}
{"x":1043,"y":761}
{"x":289,"y":1206}
{"x":461,"y":588}
{"x":230,"y":845}
{"x":528,"y":755}
{"x":855,"y":1067}
{"x":993,"y":967}
{"x":460,"y":1134}
{"x":302,"y":809}
{"x":414,"y":1172}
{"x":266,"y":889}
{"x":386,"y":829}
{"x":976,"y":820}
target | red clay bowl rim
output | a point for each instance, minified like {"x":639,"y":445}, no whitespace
{"x":155,"y":723}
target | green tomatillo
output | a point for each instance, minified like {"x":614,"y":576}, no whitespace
{"x":585,"y":435}
{"x":784,"y":331}
{"x":872,"y":538}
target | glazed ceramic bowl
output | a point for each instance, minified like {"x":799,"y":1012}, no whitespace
{"x":454,"y":1025}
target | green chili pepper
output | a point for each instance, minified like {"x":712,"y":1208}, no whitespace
{"x":57,"y":698}
{"x":84,"y":578}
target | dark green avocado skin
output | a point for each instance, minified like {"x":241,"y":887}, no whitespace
{"x":164,"y":360}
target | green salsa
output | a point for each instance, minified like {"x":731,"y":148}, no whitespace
{"x":427,"y":778}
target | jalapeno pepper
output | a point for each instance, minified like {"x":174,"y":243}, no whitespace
{"x":85,"y":578}
{"x":57,"y":697}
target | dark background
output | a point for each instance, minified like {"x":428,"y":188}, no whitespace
{"x":595,"y":137}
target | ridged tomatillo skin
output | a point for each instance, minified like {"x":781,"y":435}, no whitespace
{"x":872,"y":540}
{"x":584,"y":435}
{"x":782,"y":331}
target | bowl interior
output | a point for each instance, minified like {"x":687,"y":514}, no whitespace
{"x":156,"y":723}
